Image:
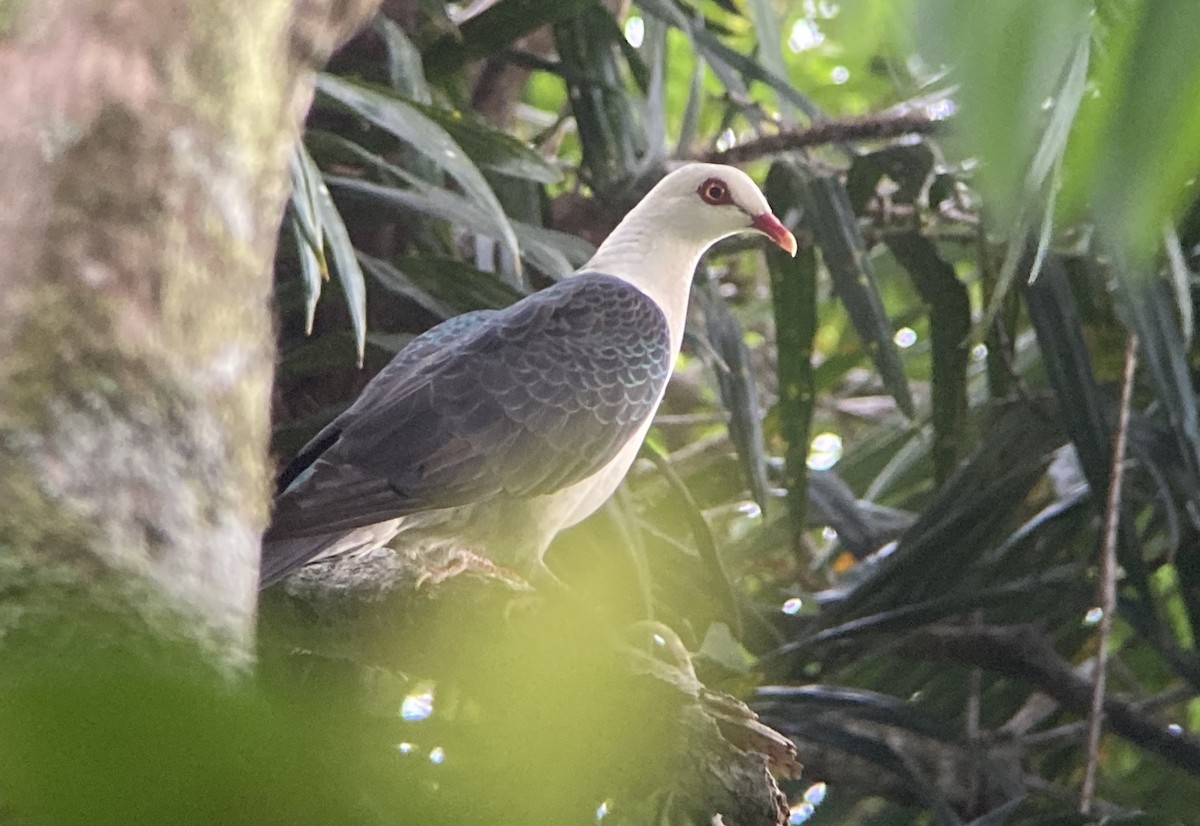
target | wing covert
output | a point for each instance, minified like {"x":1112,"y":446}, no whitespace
{"x":525,"y":401}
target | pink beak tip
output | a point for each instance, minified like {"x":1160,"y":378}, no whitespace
{"x":774,"y":229}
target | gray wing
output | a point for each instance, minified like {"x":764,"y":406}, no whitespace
{"x":526,"y":401}
{"x":407,"y":360}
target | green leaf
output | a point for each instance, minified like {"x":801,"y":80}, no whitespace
{"x":306,"y":229}
{"x":405,"y":71}
{"x":830,"y":218}
{"x":312,"y":270}
{"x":494,"y":29}
{"x":655,"y":110}
{"x":770,"y":41}
{"x":491,"y":148}
{"x":949,"y":328}
{"x":408,"y":123}
{"x":862,"y":527}
{"x":836,"y":738}
{"x":396,"y":281}
{"x":421,"y":196}
{"x":999,"y":815}
{"x":1181,"y":283}
{"x":1036,"y":203}
{"x":725,"y":62}
{"x":304,"y":197}
{"x":449,"y":206}
{"x":903,"y":463}
{"x":554,"y":253}
{"x":1147,"y":302}
{"x":910,"y":616}
{"x":1009,"y":58}
{"x":691,"y":112}
{"x":968,"y":515}
{"x":722,"y":648}
{"x":794,"y":301}
{"x":739,"y":396}
{"x":1055,"y":317}
{"x":1141,"y":142}
{"x":350,"y":276}
{"x":458,"y":284}
{"x":610,"y":132}
{"x":702,"y":535}
{"x":858,"y":703}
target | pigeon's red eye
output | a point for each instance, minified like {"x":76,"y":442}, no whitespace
{"x":715,"y":191}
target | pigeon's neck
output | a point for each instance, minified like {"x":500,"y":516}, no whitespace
{"x":657,"y":263}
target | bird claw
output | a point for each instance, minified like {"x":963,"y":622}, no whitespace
{"x":458,"y":561}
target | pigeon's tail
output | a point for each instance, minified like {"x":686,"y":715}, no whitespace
{"x":281,"y":556}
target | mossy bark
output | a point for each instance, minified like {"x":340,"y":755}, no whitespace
{"x":143,"y":152}
{"x":547,"y":703}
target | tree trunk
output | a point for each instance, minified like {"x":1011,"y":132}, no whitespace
{"x":144,"y":148}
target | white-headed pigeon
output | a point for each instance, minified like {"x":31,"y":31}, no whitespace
{"x":496,"y":429}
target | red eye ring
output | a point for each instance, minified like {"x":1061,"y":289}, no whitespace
{"x":715,"y":191}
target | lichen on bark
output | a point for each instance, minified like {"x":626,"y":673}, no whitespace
{"x":145,"y":149}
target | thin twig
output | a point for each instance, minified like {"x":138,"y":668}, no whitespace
{"x":680,"y":419}
{"x":974,"y":693}
{"x":868,"y":127}
{"x":1023,"y":653}
{"x":1039,"y":784}
{"x":1108,"y":577}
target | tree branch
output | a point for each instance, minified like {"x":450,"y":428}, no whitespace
{"x":514,"y":651}
{"x":865,"y":128}
{"x":1108,"y":578}
{"x":1023,"y":653}
{"x":145,"y":149}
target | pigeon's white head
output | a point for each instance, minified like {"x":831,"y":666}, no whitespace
{"x":659,"y":243}
{"x":701,"y":203}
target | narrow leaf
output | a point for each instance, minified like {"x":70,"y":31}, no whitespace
{"x":457,"y":284}
{"x":492,"y":149}
{"x":1055,"y":317}
{"x":1181,"y":282}
{"x":493,"y":29}
{"x":739,"y":396}
{"x":794,"y":301}
{"x":858,"y":703}
{"x":1144,"y":143}
{"x":770,"y":42}
{"x":306,"y":228}
{"x":554,"y":253}
{"x":831,"y":220}
{"x":1036,"y":202}
{"x":949,"y":327}
{"x":350,"y":276}
{"x":999,"y":815}
{"x":311,"y":270}
{"x":396,"y":281}
{"x":862,"y":527}
{"x":1148,"y":305}
{"x":408,"y":123}
{"x":1010,"y":59}
{"x":724,"y":61}
{"x":609,"y":130}
{"x":448,"y":206}
{"x":968,"y":516}
{"x":405,"y":71}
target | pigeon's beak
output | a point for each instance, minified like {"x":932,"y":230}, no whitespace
{"x":771,"y":227}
